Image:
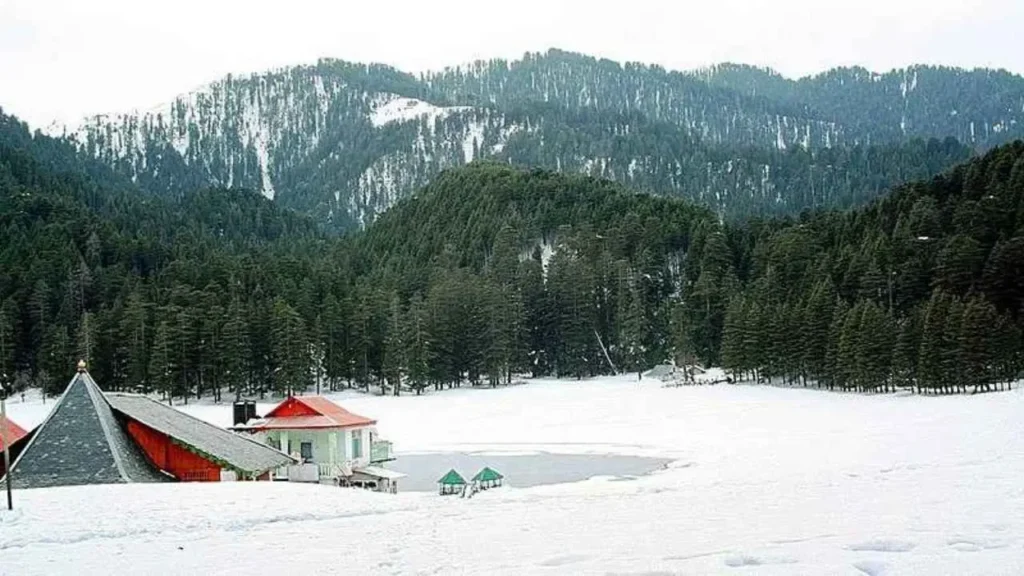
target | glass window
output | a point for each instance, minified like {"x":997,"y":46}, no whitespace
{"x":306,"y":450}
{"x":357,"y":444}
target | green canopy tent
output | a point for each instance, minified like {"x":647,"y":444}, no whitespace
{"x":451,"y":483}
{"x":488,"y":478}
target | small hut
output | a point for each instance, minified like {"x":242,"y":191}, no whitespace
{"x":451,"y":483}
{"x":487,"y":478}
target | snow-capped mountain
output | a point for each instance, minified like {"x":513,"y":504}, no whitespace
{"x":345,"y":141}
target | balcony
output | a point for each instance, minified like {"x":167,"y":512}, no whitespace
{"x":380,"y":451}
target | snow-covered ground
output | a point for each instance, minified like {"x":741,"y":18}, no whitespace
{"x":764,"y":481}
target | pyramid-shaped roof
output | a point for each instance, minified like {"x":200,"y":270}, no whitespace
{"x":81,"y":442}
{"x":452,"y":478}
{"x":487,"y":475}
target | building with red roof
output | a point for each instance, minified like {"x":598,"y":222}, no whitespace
{"x":333,"y":444}
{"x":11,"y":431}
{"x":16,"y":436}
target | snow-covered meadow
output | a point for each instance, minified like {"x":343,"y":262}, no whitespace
{"x":763,"y":481}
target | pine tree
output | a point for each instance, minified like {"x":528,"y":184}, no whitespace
{"x":632,"y":328}
{"x":7,"y":338}
{"x":134,"y":340}
{"x":85,"y":337}
{"x":160,"y":361}
{"x":874,"y":347}
{"x":734,"y":353}
{"x":289,"y":351}
{"x":395,"y":347}
{"x":930,"y":357}
{"x":817,"y":318}
{"x":905,"y":354}
{"x":847,"y":367}
{"x":56,"y":358}
{"x":950,"y":358}
{"x":418,"y":343}
{"x":333,"y":329}
{"x":234,"y":349}
{"x":978,"y":344}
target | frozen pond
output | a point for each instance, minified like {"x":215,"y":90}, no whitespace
{"x":520,"y":470}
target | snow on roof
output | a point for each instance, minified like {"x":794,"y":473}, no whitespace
{"x":378,"y":472}
{"x":11,"y":431}
{"x":236,"y":451}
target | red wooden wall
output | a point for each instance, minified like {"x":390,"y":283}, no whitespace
{"x":169,"y":457}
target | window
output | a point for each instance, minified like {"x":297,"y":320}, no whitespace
{"x":306,"y":451}
{"x":357,"y":444}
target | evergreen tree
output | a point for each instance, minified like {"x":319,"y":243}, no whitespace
{"x":7,"y":338}
{"x":85,"y":337}
{"x":395,"y":347}
{"x":978,"y":344}
{"x":160,"y":368}
{"x":417,"y":344}
{"x":234,"y":349}
{"x":134,"y":340}
{"x":289,"y":352}
{"x":734,"y":352}
{"x":930,"y":357}
{"x":905,"y":354}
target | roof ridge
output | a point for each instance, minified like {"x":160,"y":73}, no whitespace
{"x":94,"y":391}
{"x":245,"y":437}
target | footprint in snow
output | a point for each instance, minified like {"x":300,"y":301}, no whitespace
{"x":564,"y":560}
{"x":740,"y":560}
{"x":883,"y":546}
{"x":871,"y":567}
{"x":974,"y":545}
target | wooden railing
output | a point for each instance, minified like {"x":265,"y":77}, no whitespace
{"x":204,"y":475}
{"x":329,"y":470}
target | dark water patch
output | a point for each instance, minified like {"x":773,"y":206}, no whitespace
{"x":521,"y":470}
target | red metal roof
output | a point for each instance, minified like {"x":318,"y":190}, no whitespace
{"x":310,"y":412}
{"x":12,"y":432}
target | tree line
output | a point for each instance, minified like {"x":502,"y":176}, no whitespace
{"x":921,"y":290}
{"x":493,"y":271}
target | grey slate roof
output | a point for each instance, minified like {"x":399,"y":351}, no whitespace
{"x":227,"y":448}
{"x":81,"y":442}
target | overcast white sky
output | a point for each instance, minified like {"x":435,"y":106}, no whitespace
{"x":62,"y":59}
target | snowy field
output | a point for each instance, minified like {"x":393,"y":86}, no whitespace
{"x":763,"y":481}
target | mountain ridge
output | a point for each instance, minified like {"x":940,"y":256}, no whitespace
{"x":314,"y":137}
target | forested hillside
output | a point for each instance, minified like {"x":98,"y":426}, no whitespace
{"x":493,"y":270}
{"x":343,"y":142}
{"x":923,"y":288}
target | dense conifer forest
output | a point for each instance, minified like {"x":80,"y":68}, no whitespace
{"x":343,"y":141}
{"x":492,"y":271}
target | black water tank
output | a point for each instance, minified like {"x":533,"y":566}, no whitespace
{"x":244,"y":411}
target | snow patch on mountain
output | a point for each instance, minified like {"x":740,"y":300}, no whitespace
{"x":547,"y":250}
{"x":473,"y":141}
{"x":390,"y":109}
